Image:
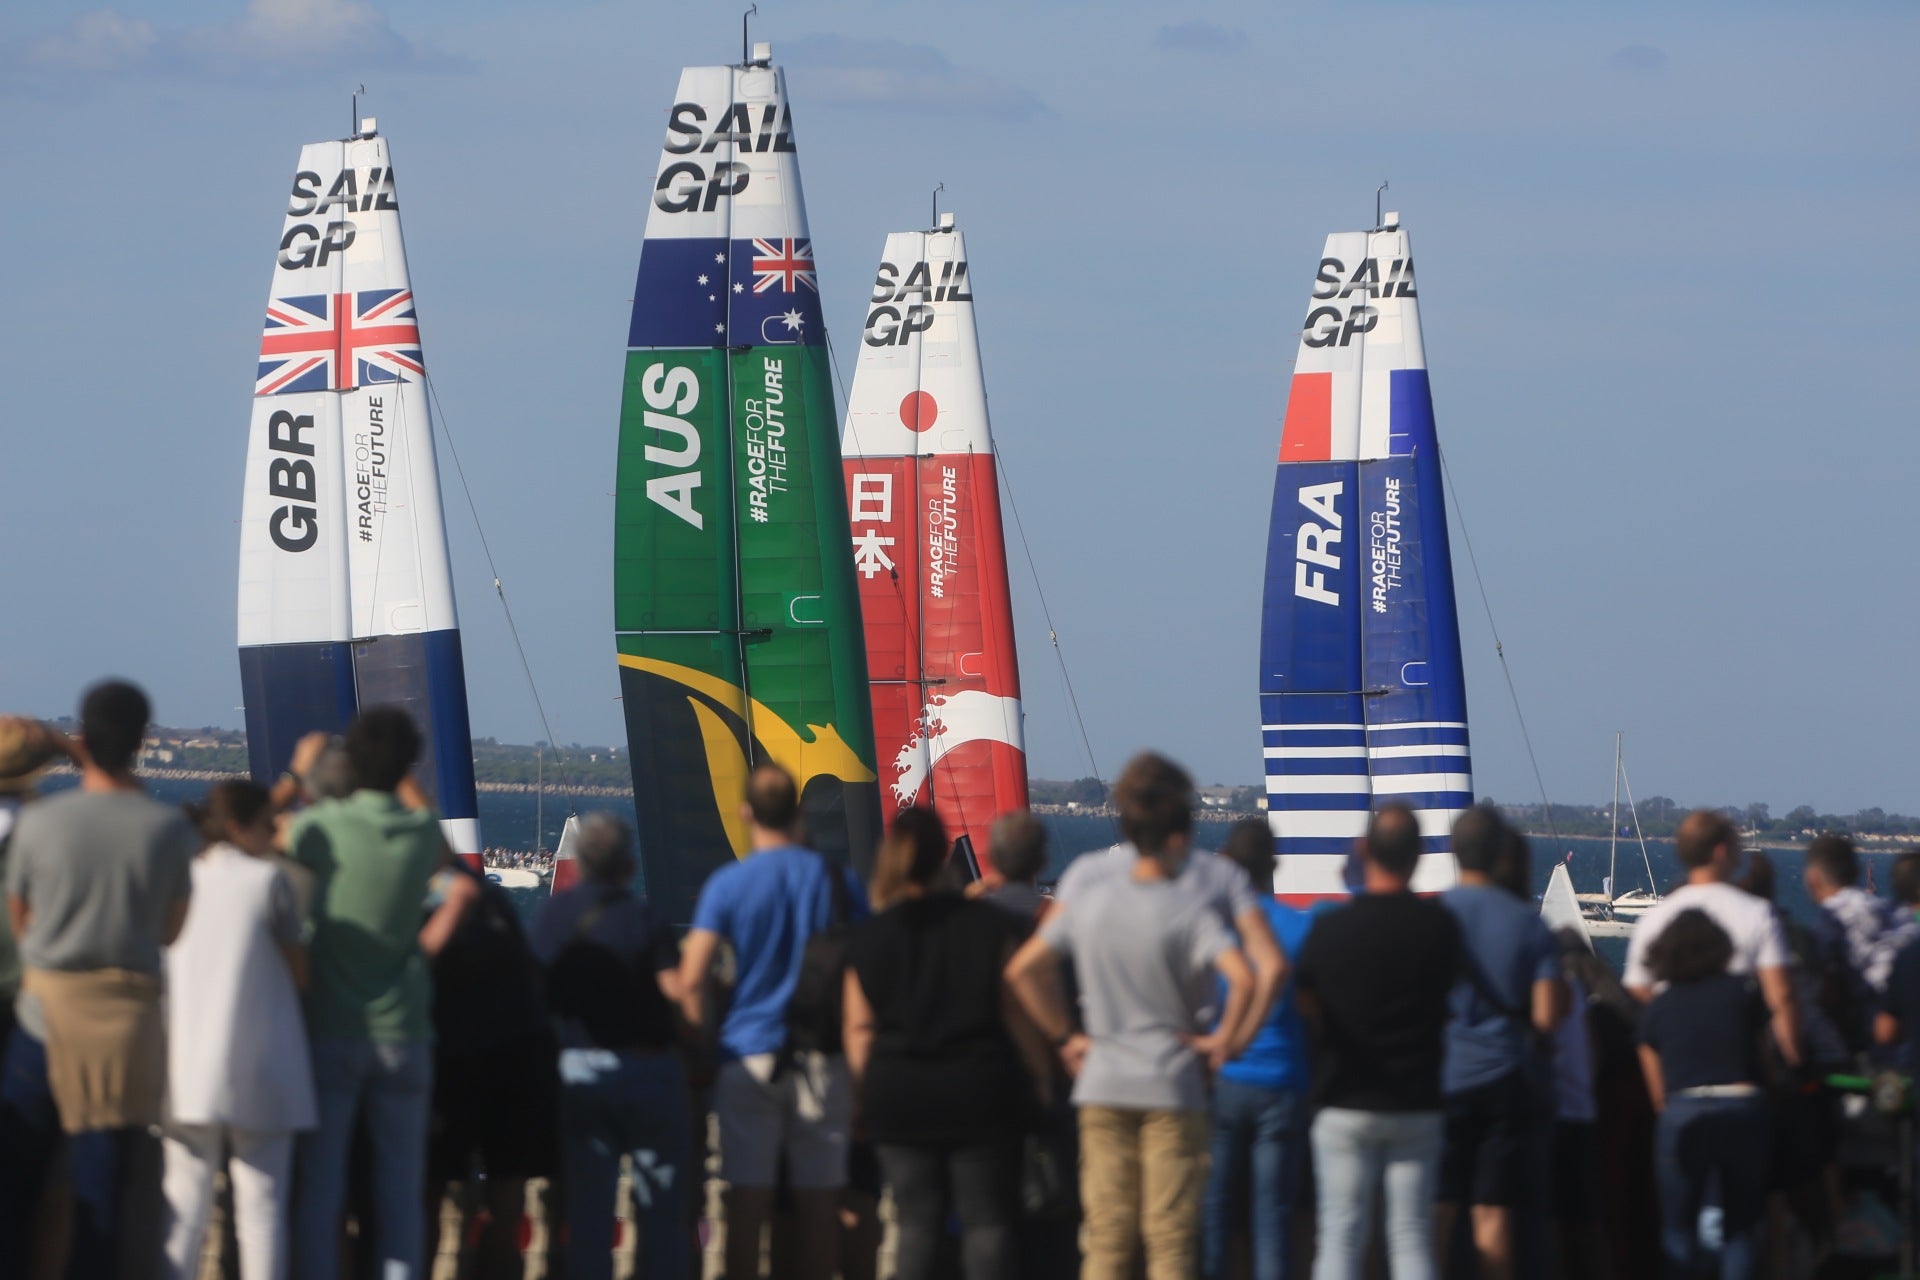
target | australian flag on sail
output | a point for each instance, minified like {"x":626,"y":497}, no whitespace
{"x":719,"y":293}
{"x":338,"y":341}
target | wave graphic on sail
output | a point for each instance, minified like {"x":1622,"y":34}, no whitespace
{"x":345,"y":586}
{"x":1362,"y":693}
{"x":924,"y":505}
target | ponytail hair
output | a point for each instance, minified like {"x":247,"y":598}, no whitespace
{"x":229,"y":807}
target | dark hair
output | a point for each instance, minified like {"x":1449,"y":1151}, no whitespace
{"x":1393,"y":840}
{"x":1832,"y":855}
{"x":383,"y":743}
{"x":1249,"y":843}
{"x":913,"y":853}
{"x":1155,"y":799}
{"x":1757,"y":877}
{"x":605,"y":849}
{"x":228,"y":807}
{"x":1699,"y":834}
{"x":772,"y":798}
{"x":1482,"y":840}
{"x":1690,"y":948}
{"x":1017,"y":845}
{"x":1905,"y":879}
{"x":114,"y":715}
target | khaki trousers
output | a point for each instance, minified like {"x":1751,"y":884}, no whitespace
{"x":1142,"y":1178}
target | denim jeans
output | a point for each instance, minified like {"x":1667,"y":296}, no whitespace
{"x":1258,"y":1139}
{"x":101,"y":1163}
{"x":1355,"y":1154}
{"x":635,"y":1104}
{"x":393,"y":1085}
{"x":978,"y":1182}
{"x":1699,"y":1139}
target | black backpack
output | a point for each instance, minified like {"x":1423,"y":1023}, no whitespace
{"x":814,"y":1009}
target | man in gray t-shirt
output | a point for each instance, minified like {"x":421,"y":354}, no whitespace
{"x":97,"y":880}
{"x":103,"y":877}
{"x":1218,"y":882}
{"x":1145,"y":950}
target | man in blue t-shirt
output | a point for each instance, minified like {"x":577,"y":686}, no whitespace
{"x":1259,"y":1101}
{"x":772,"y":1103}
{"x":1509,"y":990}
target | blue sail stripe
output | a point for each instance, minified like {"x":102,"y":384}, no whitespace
{"x":1317,"y":768}
{"x":1271,"y":737}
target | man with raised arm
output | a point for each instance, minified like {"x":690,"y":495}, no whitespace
{"x":1709,"y":848}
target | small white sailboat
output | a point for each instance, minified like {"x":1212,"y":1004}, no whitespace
{"x":1560,"y":906}
{"x":1610,"y":913}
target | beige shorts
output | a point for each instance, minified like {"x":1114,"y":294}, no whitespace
{"x":807,"y":1112}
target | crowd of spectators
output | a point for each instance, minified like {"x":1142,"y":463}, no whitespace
{"x":540,"y":860}
{"x":1157,"y":1066}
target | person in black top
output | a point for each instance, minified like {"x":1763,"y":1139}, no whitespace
{"x":612,"y":983}
{"x":1701,"y":1050}
{"x":1373,"y":980}
{"x":491,"y":1040}
{"x":929,"y":1035}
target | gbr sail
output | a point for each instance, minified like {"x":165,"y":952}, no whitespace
{"x":924,"y":502}
{"x":1362,"y":697}
{"x":736,"y":617}
{"x":346,"y":594}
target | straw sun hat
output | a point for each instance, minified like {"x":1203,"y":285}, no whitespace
{"x":26,"y":747}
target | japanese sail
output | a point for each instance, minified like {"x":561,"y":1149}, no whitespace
{"x":736,"y":616}
{"x":924,"y":502}
{"x":346,"y":594}
{"x":1362,"y":697}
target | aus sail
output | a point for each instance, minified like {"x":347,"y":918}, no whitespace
{"x":1362,"y":694}
{"x":736,"y":616}
{"x":346,"y":588}
{"x":924,"y":505}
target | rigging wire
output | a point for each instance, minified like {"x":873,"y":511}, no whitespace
{"x":1499,"y":649}
{"x":1053,"y":634}
{"x":500,"y":591}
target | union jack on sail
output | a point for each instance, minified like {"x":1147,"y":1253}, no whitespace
{"x":338,"y":341}
{"x":783,"y":264}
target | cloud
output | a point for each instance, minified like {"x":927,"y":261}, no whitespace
{"x":98,"y":43}
{"x":1638,"y":59}
{"x":906,"y":77}
{"x":274,"y":38}
{"x":1200,"y":37}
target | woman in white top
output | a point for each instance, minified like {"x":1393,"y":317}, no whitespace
{"x":238,"y":1079}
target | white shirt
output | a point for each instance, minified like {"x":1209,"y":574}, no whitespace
{"x":1758,"y":942}
{"x":236,"y":1043}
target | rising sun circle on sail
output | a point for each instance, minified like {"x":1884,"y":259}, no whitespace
{"x":918,"y":410}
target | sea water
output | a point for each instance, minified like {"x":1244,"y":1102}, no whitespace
{"x":507,"y":820}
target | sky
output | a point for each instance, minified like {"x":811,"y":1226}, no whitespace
{"x":1667,"y":301}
